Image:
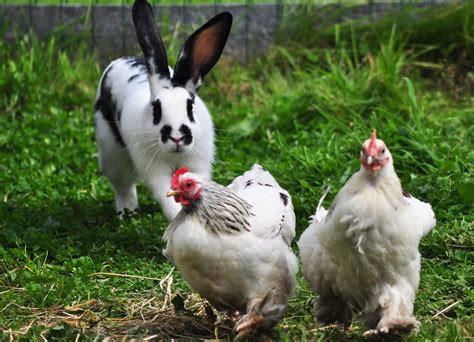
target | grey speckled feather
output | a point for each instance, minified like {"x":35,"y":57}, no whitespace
{"x":232,"y":245}
{"x":220,"y":210}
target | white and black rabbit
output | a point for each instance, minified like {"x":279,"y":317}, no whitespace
{"x":149,"y":120}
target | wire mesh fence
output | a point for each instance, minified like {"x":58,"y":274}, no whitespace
{"x":106,"y":25}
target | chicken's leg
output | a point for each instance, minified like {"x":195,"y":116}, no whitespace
{"x":395,"y":315}
{"x":263,"y":312}
{"x":248,"y":324}
{"x":332,"y":309}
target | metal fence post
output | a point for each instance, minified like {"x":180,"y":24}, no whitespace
{"x":248,"y":3}
{"x":183,"y":12}
{"x":92,"y":29}
{"x":122,"y":14}
{"x":30,"y":14}
{"x":279,"y":8}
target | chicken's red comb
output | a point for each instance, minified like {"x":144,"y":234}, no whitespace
{"x":175,"y":178}
{"x":373,"y":141}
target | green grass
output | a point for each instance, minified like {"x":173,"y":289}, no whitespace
{"x":300,"y":114}
{"x":436,"y":34}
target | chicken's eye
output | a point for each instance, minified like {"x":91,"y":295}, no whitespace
{"x":188,"y":185}
{"x":383,"y":151}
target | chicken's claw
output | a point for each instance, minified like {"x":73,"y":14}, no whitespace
{"x":249,"y":325}
{"x":395,"y":326}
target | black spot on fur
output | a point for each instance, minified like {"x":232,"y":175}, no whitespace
{"x":406,"y":193}
{"x":107,"y":105}
{"x":135,"y":62}
{"x":133,"y":77}
{"x":156,"y":112}
{"x":189,"y":108}
{"x":165,"y":133}
{"x":249,"y":183}
{"x":266,"y":184}
{"x":187,"y":135}
{"x":284,"y":198}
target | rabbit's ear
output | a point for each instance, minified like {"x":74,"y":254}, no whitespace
{"x":153,"y":48}
{"x":201,"y":51}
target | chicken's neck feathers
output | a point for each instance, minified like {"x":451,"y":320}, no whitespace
{"x":219,"y":210}
{"x":385,"y":183}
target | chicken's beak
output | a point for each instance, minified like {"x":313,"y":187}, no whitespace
{"x":370,"y":160}
{"x":172,"y":192}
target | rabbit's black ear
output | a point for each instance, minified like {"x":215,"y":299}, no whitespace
{"x":150,"y":41}
{"x":201,"y":51}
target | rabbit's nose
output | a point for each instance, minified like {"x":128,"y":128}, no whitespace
{"x":177,"y":140}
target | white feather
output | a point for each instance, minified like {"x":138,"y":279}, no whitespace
{"x":236,"y":270}
{"x":258,"y":187}
{"x":364,"y":252}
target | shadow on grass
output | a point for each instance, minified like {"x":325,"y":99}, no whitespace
{"x":82,"y":228}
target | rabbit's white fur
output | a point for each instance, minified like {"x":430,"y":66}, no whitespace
{"x":144,"y":154}
{"x":149,"y":120}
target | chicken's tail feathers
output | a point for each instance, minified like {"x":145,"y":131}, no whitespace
{"x":321,"y":212}
{"x":426,"y":219}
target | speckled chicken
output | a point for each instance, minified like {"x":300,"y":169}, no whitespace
{"x":362,"y":255}
{"x":232,"y":244}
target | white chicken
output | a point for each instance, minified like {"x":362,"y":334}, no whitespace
{"x":362,"y":255}
{"x":232,"y":244}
